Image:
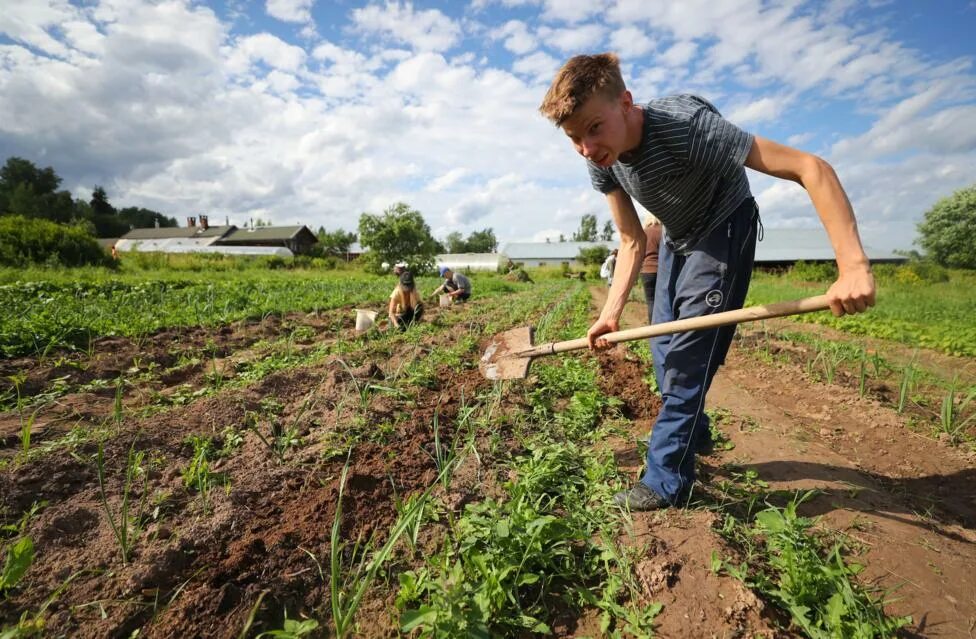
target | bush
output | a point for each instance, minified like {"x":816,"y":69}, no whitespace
{"x":948,"y":232}
{"x":914,"y":272}
{"x":814,"y":271}
{"x":31,"y":241}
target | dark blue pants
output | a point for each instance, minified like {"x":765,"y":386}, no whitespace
{"x":714,"y":277}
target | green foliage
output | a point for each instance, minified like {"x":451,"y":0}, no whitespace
{"x":819,"y":590}
{"x":26,"y":241}
{"x":948,"y":232}
{"x":399,"y":234}
{"x":483,"y":241}
{"x":607,"y":233}
{"x":935,"y":315}
{"x":20,"y":556}
{"x":335,"y":243}
{"x":814,"y":271}
{"x":587,"y":231}
{"x":593,"y":256}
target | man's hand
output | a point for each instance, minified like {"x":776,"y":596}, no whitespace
{"x":601,"y":327}
{"x":853,"y":292}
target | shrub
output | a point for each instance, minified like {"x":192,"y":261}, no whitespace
{"x":948,"y":233}
{"x":814,"y":271}
{"x":31,"y":241}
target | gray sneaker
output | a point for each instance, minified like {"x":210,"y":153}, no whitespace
{"x":640,"y":497}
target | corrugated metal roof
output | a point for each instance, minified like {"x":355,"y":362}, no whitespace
{"x":265,"y":233}
{"x":163,"y":233}
{"x":473,"y":261}
{"x":778,"y":245}
{"x":549,"y":250}
{"x":812,"y":244}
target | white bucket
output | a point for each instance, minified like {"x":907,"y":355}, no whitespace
{"x":364,"y":319}
{"x":445,"y":300}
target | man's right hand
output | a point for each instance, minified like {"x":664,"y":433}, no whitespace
{"x":601,"y":327}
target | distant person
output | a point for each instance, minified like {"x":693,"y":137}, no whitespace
{"x":457,"y":286}
{"x":653,"y":232}
{"x":405,"y":306}
{"x":115,"y":252}
{"x":609,"y":266}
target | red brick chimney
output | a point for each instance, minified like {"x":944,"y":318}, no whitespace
{"x":191,"y":221}
{"x":204,"y":223}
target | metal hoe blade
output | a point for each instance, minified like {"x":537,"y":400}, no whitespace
{"x":503,"y":358}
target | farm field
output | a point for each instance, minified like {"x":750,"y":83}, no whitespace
{"x":222,"y":456}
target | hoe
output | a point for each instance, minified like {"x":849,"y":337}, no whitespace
{"x":510,"y":353}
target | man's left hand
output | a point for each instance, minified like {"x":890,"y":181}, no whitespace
{"x":853,"y":292}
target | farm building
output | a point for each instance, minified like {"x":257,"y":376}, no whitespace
{"x":298,"y":239}
{"x":534,"y":254}
{"x":228,"y":239}
{"x":779,"y":247}
{"x":471,"y":261}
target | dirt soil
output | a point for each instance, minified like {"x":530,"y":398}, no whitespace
{"x":908,"y":502}
{"x":202,"y":565}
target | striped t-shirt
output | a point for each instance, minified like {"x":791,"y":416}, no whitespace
{"x":688,"y":170}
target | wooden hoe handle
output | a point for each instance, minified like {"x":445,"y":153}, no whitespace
{"x":749,"y":314}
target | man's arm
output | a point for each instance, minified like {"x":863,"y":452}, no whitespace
{"x":853,"y":292}
{"x":629,"y":258}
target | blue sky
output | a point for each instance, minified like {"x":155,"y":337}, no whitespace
{"x":304,"y":111}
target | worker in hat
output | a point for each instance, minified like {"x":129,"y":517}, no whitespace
{"x":405,"y":306}
{"x":457,"y":286}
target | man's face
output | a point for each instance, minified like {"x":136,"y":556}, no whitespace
{"x":598,"y":128}
{"x":448,"y":274}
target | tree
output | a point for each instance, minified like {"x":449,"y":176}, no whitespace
{"x":454,"y":243}
{"x":483,"y":241}
{"x":399,"y":234}
{"x":593,"y":255}
{"x":607,"y":233}
{"x":587,"y":230}
{"x":335,"y":243}
{"x":140,"y":218}
{"x":25,"y":241}
{"x":100,"y":204}
{"x":948,"y":232}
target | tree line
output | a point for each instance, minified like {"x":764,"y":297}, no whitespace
{"x":33,"y":193}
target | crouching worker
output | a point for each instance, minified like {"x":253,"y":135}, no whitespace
{"x":406,"y":306}
{"x":457,"y":286}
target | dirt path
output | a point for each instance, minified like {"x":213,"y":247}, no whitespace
{"x":907,"y":501}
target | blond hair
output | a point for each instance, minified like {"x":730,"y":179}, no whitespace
{"x":582,"y":77}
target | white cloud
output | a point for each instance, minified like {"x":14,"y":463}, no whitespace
{"x":678,"y":54}
{"x":573,"y":40}
{"x":517,"y":38}
{"x":266,"y":48}
{"x":424,"y":30}
{"x":761,"y":110}
{"x":571,"y":11}
{"x":631,"y":42}
{"x":448,"y":179}
{"x":541,"y":66}
{"x":290,"y":10}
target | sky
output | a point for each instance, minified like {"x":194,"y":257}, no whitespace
{"x":313,"y":112}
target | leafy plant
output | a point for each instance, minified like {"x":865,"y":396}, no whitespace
{"x":129,"y":525}
{"x":19,"y":557}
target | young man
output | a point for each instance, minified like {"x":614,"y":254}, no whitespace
{"x":455,"y":285}
{"x":680,"y":159}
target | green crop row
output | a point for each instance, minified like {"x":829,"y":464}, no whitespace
{"x":936,"y":315}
